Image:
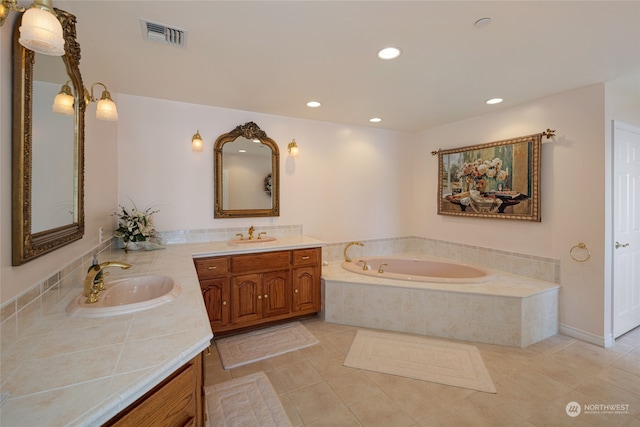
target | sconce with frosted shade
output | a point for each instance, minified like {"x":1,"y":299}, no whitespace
{"x":40,"y":30}
{"x":196,"y":142}
{"x":64,"y":101}
{"x":106,"y":108}
{"x":293,"y":149}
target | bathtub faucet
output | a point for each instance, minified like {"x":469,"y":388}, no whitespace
{"x":346,"y":258}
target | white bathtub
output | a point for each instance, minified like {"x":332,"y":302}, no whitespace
{"x":420,"y":270}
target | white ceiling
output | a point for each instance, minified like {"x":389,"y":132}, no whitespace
{"x":273,"y":57}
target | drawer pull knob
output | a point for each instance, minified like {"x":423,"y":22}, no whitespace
{"x":211,"y":268}
{"x":259,"y":296}
{"x":224,"y":303}
{"x":265,"y":296}
{"x":296,"y":291}
{"x":305,"y":257}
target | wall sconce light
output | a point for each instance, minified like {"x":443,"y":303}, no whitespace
{"x":64,"y":101}
{"x":293,"y":149}
{"x":196,"y":142}
{"x":106,"y":108}
{"x":40,"y":30}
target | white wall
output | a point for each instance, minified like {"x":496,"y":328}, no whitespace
{"x":572,"y":194}
{"x":349,"y":182}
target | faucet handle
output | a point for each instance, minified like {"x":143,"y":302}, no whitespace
{"x":380,"y":269}
{"x":260,"y":234}
{"x":365,"y":265}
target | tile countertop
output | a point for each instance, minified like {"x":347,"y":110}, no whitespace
{"x":66,"y":371}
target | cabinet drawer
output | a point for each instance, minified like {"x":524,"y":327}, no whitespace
{"x":306,"y":257}
{"x":260,"y":262}
{"x":211,"y":267}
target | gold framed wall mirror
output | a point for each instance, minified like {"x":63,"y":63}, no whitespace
{"x":246,"y":174}
{"x":48,"y":148}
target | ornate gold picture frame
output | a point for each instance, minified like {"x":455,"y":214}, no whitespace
{"x":494,"y":180}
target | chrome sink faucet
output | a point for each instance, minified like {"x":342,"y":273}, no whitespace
{"x":347,"y":246}
{"x":91,"y":290}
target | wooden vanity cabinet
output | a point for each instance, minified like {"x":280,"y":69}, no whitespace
{"x":256,"y":288}
{"x":176,"y":401}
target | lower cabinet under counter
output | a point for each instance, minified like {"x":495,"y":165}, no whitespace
{"x":254,"y":289}
{"x":176,"y":401}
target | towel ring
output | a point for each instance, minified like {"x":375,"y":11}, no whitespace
{"x":580,"y":246}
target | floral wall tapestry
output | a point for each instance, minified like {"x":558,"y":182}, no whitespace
{"x":495,"y":180}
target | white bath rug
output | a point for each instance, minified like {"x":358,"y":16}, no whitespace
{"x":420,"y":358}
{"x":248,"y":401}
{"x":258,"y":345}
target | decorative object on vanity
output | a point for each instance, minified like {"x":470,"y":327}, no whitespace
{"x":48,"y":149}
{"x":420,"y":358}
{"x":135,"y":227}
{"x":494,"y":180}
{"x":242,"y":160}
{"x":196,"y":142}
{"x":40,"y":29}
{"x":246,"y":401}
{"x":262,"y":344}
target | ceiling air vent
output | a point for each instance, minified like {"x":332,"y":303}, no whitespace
{"x":161,"y":33}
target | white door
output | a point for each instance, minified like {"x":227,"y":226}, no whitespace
{"x":626,"y":228}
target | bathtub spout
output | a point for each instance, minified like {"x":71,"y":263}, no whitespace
{"x":346,"y":258}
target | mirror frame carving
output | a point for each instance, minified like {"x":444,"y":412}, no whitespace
{"x":27,"y":245}
{"x":249,"y":130}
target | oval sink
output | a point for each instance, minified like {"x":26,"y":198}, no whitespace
{"x":238,"y":242}
{"x":127,"y":296}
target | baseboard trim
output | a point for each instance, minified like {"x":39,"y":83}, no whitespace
{"x":586,"y":336}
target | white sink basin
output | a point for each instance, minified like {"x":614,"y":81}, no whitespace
{"x":127,"y":296}
{"x":257,"y":242}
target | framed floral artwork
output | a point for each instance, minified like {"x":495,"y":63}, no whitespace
{"x":494,"y":180}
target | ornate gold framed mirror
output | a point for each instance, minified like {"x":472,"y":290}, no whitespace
{"x":246,"y":173}
{"x":48,"y":149}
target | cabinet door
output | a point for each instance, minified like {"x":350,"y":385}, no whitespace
{"x":246,"y":297}
{"x":306,"y":289}
{"x":276,"y":293}
{"x":215,"y":293}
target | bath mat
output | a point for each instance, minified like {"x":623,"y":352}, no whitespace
{"x":258,"y":345}
{"x":245,"y":402}
{"x":420,"y":358}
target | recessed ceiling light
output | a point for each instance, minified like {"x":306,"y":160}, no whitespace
{"x":389,"y":53}
{"x":257,"y":141}
{"x":313,"y":104}
{"x":482,"y":22}
{"x":494,"y":101}
{"x":375,"y":120}
{"x":242,"y":151}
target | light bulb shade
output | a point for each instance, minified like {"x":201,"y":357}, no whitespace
{"x":294,"y":151}
{"x":63,"y":103}
{"x":196,"y":142}
{"x":41,"y":32}
{"x":106,"y":110}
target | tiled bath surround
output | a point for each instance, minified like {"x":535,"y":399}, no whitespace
{"x":516,"y":310}
{"x":17,"y":314}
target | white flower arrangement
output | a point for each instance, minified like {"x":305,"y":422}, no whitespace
{"x":134,"y":225}
{"x":471,"y":172}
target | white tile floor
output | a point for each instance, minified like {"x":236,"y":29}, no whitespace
{"x":534,"y":385}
